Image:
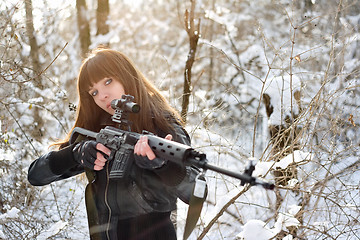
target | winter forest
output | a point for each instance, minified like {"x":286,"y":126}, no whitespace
{"x":273,"y":81}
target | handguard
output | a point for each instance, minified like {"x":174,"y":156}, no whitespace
{"x":168,"y":150}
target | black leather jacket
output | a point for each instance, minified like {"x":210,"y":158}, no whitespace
{"x":146,"y":190}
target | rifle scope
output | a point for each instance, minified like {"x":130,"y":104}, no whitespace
{"x":126,"y":104}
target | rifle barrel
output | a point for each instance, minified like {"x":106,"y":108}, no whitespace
{"x":245,"y":178}
{"x":205,"y":165}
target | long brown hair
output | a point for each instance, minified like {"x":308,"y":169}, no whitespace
{"x":102,"y":63}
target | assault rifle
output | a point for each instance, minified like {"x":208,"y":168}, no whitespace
{"x":122,"y":142}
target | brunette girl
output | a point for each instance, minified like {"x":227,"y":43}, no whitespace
{"x":139,"y":206}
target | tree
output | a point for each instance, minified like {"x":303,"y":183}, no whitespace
{"x":83,"y":25}
{"x":34,"y":49}
{"x":102,"y":17}
{"x":193,"y":33}
{"x":255,"y":47}
{"x":36,"y":76}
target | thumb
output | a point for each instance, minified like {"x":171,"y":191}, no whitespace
{"x":168,"y":137}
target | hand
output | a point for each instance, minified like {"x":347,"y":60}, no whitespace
{"x":143,"y":149}
{"x":91,"y":154}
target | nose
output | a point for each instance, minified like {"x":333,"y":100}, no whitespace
{"x":103,"y":95}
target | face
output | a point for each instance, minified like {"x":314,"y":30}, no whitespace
{"x":104,"y":91}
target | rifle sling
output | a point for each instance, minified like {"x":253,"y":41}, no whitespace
{"x":194,"y":210}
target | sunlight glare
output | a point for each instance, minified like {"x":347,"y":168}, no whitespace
{"x":132,"y":3}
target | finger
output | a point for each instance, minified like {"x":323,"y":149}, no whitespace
{"x":143,"y":139}
{"x":103,"y":149}
{"x":141,"y":148}
{"x":136,"y":148}
{"x":150,"y":154}
{"x":169,"y":137}
{"x":100,"y":157}
{"x":99,"y":163}
{"x":98,"y":168}
{"x":146,"y":150}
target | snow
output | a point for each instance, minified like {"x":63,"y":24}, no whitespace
{"x":220,"y":204}
{"x":12,"y":213}
{"x":285,"y":220}
{"x":2,"y":235}
{"x":256,"y":229}
{"x":281,"y":90}
{"x":250,"y":46}
{"x":53,"y":230}
{"x":297,"y":157}
{"x":259,"y":230}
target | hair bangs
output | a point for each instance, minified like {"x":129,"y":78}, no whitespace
{"x":94,"y":70}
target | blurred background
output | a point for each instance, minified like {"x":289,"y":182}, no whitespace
{"x":271,"y":80}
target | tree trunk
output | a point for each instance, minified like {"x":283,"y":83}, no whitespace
{"x":37,"y":130}
{"x":34,"y":48}
{"x":193,"y":33}
{"x":83,"y":25}
{"x":211,"y":64}
{"x":102,"y":16}
{"x":284,"y":140}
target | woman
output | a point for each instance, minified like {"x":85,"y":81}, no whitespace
{"x":139,"y":206}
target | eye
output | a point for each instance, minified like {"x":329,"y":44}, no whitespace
{"x":107,"y":82}
{"x":93,"y":93}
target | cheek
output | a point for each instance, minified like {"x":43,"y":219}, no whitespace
{"x":118,"y":92}
{"x":123,"y":92}
{"x":120,"y":89}
{"x":97,"y":102}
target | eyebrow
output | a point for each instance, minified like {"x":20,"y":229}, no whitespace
{"x":91,"y":86}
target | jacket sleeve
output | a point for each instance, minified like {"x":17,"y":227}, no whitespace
{"x":181,"y":177}
{"x":53,"y":166}
{"x":172,"y":173}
